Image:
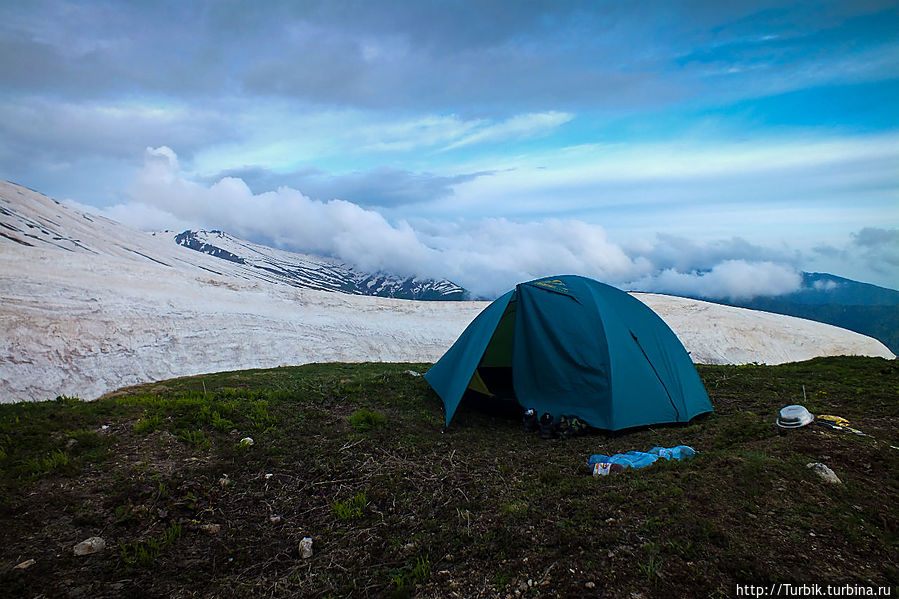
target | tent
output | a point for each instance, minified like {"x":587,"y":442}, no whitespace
{"x":572,"y":346}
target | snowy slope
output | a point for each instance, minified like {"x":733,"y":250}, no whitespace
{"x":312,"y":272}
{"x":88,"y":305}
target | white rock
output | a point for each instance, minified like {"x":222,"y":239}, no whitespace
{"x":274,"y":519}
{"x":88,"y":546}
{"x":590,"y":584}
{"x":306,"y":548}
{"x":824,"y":472}
{"x":247,"y":441}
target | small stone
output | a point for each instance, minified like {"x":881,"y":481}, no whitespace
{"x":306,"y":548}
{"x":590,"y":584}
{"x":25,"y":565}
{"x":609,"y":520}
{"x":825,"y":473}
{"x":89,"y":546}
{"x":211,"y":529}
{"x":268,"y":476}
{"x":247,"y":441}
{"x":274,"y":519}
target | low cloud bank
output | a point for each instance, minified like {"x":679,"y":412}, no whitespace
{"x":487,"y":256}
{"x":731,"y":279}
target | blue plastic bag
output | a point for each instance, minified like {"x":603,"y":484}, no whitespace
{"x":603,"y":464}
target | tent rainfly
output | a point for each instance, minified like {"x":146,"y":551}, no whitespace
{"x":572,"y":346}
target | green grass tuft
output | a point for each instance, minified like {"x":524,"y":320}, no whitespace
{"x":350,"y":509}
{"x":365,"y":419}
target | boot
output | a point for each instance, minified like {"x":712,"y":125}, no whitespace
{"x":546,"y":426}
{"x":530,"y":421}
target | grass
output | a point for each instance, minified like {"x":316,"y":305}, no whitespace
{"x":365,"y":419}
{"x":146,"y":553}
{"x":351,"y":508}
{"x":411,"y":509}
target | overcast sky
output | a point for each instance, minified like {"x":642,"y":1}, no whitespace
{"x":718,"y":147}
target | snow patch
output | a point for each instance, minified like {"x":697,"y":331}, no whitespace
{"x":90,"y":306}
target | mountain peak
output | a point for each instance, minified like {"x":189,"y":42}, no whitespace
{"x":314,"y":272}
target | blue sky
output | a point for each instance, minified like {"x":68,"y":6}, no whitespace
{"x":706,"y":143}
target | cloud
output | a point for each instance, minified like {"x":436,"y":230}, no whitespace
{"x":488,"y":256}
{"x":683,"y":254}
{"x":731,"y":279}
{"x":379,"y":187}
{"x":521,"y":126}
{"x":879,"y":247}
{"x":70,"y":131}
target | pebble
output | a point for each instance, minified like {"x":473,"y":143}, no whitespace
{"x":274,"y":519}
{"x":211,"y":529}
{"x":89,"y":546}
{"x":590,"y":584}
{"x":247,"y":441}
{"x":306,"y":548}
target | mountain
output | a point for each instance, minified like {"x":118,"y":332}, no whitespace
{"x":860,"y":307}
{"x":314,"y":272}
{"x":88,"y":305}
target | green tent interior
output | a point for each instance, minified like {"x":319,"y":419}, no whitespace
{"x":569,"y":345}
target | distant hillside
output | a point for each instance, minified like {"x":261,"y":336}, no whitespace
{"x":315,"y":272}
{"x":859,"y":307}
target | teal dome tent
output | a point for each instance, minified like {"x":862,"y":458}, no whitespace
{"x":569,"y":345}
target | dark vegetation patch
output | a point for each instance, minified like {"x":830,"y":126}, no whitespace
{"x":355,"y":457}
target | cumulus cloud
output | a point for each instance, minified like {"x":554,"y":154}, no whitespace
{"x":731,"y":279}
{"x":487,"y":256}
